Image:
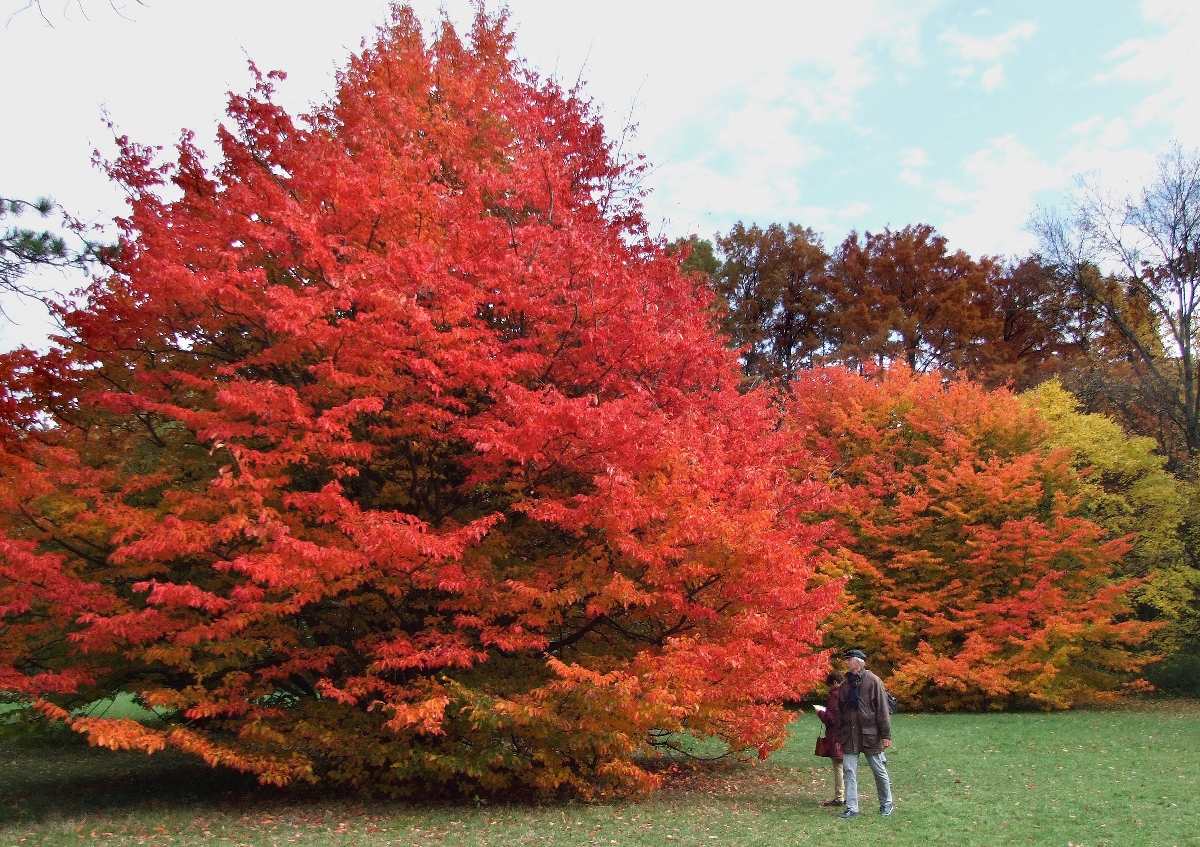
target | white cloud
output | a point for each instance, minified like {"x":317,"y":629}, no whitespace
{"x":24,"y":323}
{"x":906,"y":45}
{"x":912,"y":160}
{"x":731,"y":99}
{"x":986,"y":51}
{"x":996,"y":197}
{"x":751,"y":167}
{"x":809,"y":64}
{"x":974,"y":49}
{"x":1167,"y":60}
{"x":765,"y":138}
{"x":992,"y":78}
{"x":832,"y":223}
{"x":1106,"y":147}
{"x":1003,"y":183}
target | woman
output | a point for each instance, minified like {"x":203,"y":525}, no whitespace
{"x":829,"y":717}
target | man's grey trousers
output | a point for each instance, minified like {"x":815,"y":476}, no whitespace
{"x":883,"y":785}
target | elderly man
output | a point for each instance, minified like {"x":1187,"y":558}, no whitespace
{"x":864,"y":726}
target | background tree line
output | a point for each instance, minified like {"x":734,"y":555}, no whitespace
{"x":1100,"y":320}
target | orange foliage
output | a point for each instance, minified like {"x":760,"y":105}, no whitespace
{"x":975,"y":583}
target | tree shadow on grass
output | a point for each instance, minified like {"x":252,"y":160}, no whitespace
{"x":55,"y":774}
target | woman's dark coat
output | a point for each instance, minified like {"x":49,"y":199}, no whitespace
{"x":829,"y":717}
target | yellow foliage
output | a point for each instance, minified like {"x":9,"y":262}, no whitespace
{"x":1129,"y":492}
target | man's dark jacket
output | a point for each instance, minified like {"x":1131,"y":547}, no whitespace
{"x":862,"y":729}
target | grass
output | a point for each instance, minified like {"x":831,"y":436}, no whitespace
{"x":1115,"y":778}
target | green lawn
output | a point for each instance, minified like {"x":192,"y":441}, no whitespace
{"x":1115,"y":778}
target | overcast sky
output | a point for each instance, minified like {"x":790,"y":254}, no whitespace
{"x":838,"y":116}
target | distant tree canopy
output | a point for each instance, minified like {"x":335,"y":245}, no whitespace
{"x":902,"y":296}
{"x":700,"y":258}
{"x":1109,"y":304}
{"x":775,"y":283}
{"x":897,"y":296}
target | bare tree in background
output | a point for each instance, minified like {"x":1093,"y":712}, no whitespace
{"x":1136,"y":258}
{"x":37,"y":6}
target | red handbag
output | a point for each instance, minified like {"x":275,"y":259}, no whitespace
{"x":823,"y":748}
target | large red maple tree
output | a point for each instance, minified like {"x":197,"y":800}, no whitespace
{"x":391,"y":451}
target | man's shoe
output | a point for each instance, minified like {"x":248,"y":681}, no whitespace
{"x":885,"y":809}
{"x":834,"y":803}
{"x":848,"y":814}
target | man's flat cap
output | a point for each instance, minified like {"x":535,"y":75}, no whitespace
{"x":855,"y":654}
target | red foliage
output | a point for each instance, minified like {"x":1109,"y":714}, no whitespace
{"x":975,"y":582}
{"x":393,"y":452}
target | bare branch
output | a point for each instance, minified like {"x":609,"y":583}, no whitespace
{"x":1146,"y":250}
{"x":119,"y":9}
